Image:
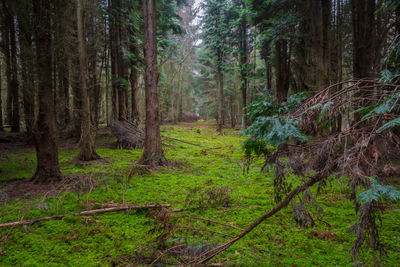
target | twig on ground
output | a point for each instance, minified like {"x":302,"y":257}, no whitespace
{"x":84,"y":213}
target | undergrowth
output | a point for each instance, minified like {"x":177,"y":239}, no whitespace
{"x":217,"y":178}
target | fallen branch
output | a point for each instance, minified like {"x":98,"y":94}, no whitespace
{"x":208,"y":255}
{"x":84,"y":213}
{"x":186,"y":142}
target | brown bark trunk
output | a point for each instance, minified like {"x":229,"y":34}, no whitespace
{"x":363,"y":38}
{"x":46,"y":148}
{"x":1,"y":104}
{"x":28,"y":88}
{"x":15,"y":127}
{"x":86,"y":142}
{"x":220,"y":97}
{"x":153,"y":153}
{"x":243,"y":66}
{"x":134,"y":79}
{"x":10,"y":53}
{"x":281,"y":70}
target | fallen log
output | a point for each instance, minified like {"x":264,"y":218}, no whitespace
{"x":85,"y":213}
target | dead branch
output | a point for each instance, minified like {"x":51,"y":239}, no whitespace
{"x":85,"y":213}
{"x":208,"y":255}
{"x":186,"y":142}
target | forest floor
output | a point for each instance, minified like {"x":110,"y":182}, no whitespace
{"x":212,"y":178}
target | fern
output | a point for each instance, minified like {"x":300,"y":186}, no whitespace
{"x":390,"y":124}
{"x":387,"y":106}
{"x":275,"y":130}
{"x":324,"y":109}
{"x":379,"y":192}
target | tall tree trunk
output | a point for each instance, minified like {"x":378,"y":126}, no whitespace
{"x":113,"y":54}
{"x":281,"y":70}
{"x":28,"y":86}
{"x":363,"y":37}
{"x":243,"y":43}
{"x":86,"y":142}
{"x":153,"y":154}
{"x":10,"y":53}
{"x":15,"y":127}
{"x":46,"y":148}
{"x":134,"y":79}
{"x":220,"y":97}
{"x":1,"y":104}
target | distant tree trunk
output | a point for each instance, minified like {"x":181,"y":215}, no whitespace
{"x":86,"y":142}
{"x":15,"y":127}
{"x":46,"y":148}
{"x":363,"y":37}
{"x":281,"y":70}
{"x":243,"y":46}
{"x":134,"y":79}
{"x":231,"y":104}
{"x":28,"y":85}
{"x":265,"y":53}
{"x":10,"y":53}
{"x":1,"y":104}
{"x":153,"y":154}
{"x":113,"y":55}
{"x":77,"y":99}
{"x":220,"y":97}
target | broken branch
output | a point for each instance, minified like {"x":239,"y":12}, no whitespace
{"x":84,"y":213}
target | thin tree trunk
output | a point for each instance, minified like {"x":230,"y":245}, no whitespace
{"x":28,"y":88}
{"x":15,"y":127}
{"x":220,"y":97}
{"x":86,"y":142}
{"x":243,"y":65}
{"x":134,"y":79}
{"x":46,"y":148}
{"x":153,"y":153}
{"x":281,"y":70}
{"x":1,"y":104}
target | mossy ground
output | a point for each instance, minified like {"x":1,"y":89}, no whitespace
{"x":114,"y":238}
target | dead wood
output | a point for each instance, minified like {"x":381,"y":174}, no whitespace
{"x":85,"y":213}
{"x":128,"y":135}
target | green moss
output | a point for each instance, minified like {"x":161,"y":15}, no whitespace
{"x":105,"y":238}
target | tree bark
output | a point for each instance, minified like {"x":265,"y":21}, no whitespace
{"x":153,"y":154}
{"x":1,"y":104}
{"x":281,"y":70}
{"x":10,"y":54}
{"x":28,"y":77}
{"x":220,"y":97}
{"x":86,"y":142}
{"x":46,"y":148}
{"x":243,"y":64}
{"x":134,"y":79}
{"x":15,"y":127}
{"x":363,"y":38}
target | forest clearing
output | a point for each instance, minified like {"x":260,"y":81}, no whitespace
{"x":212,"y":179}
{"x":199,"y":132}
